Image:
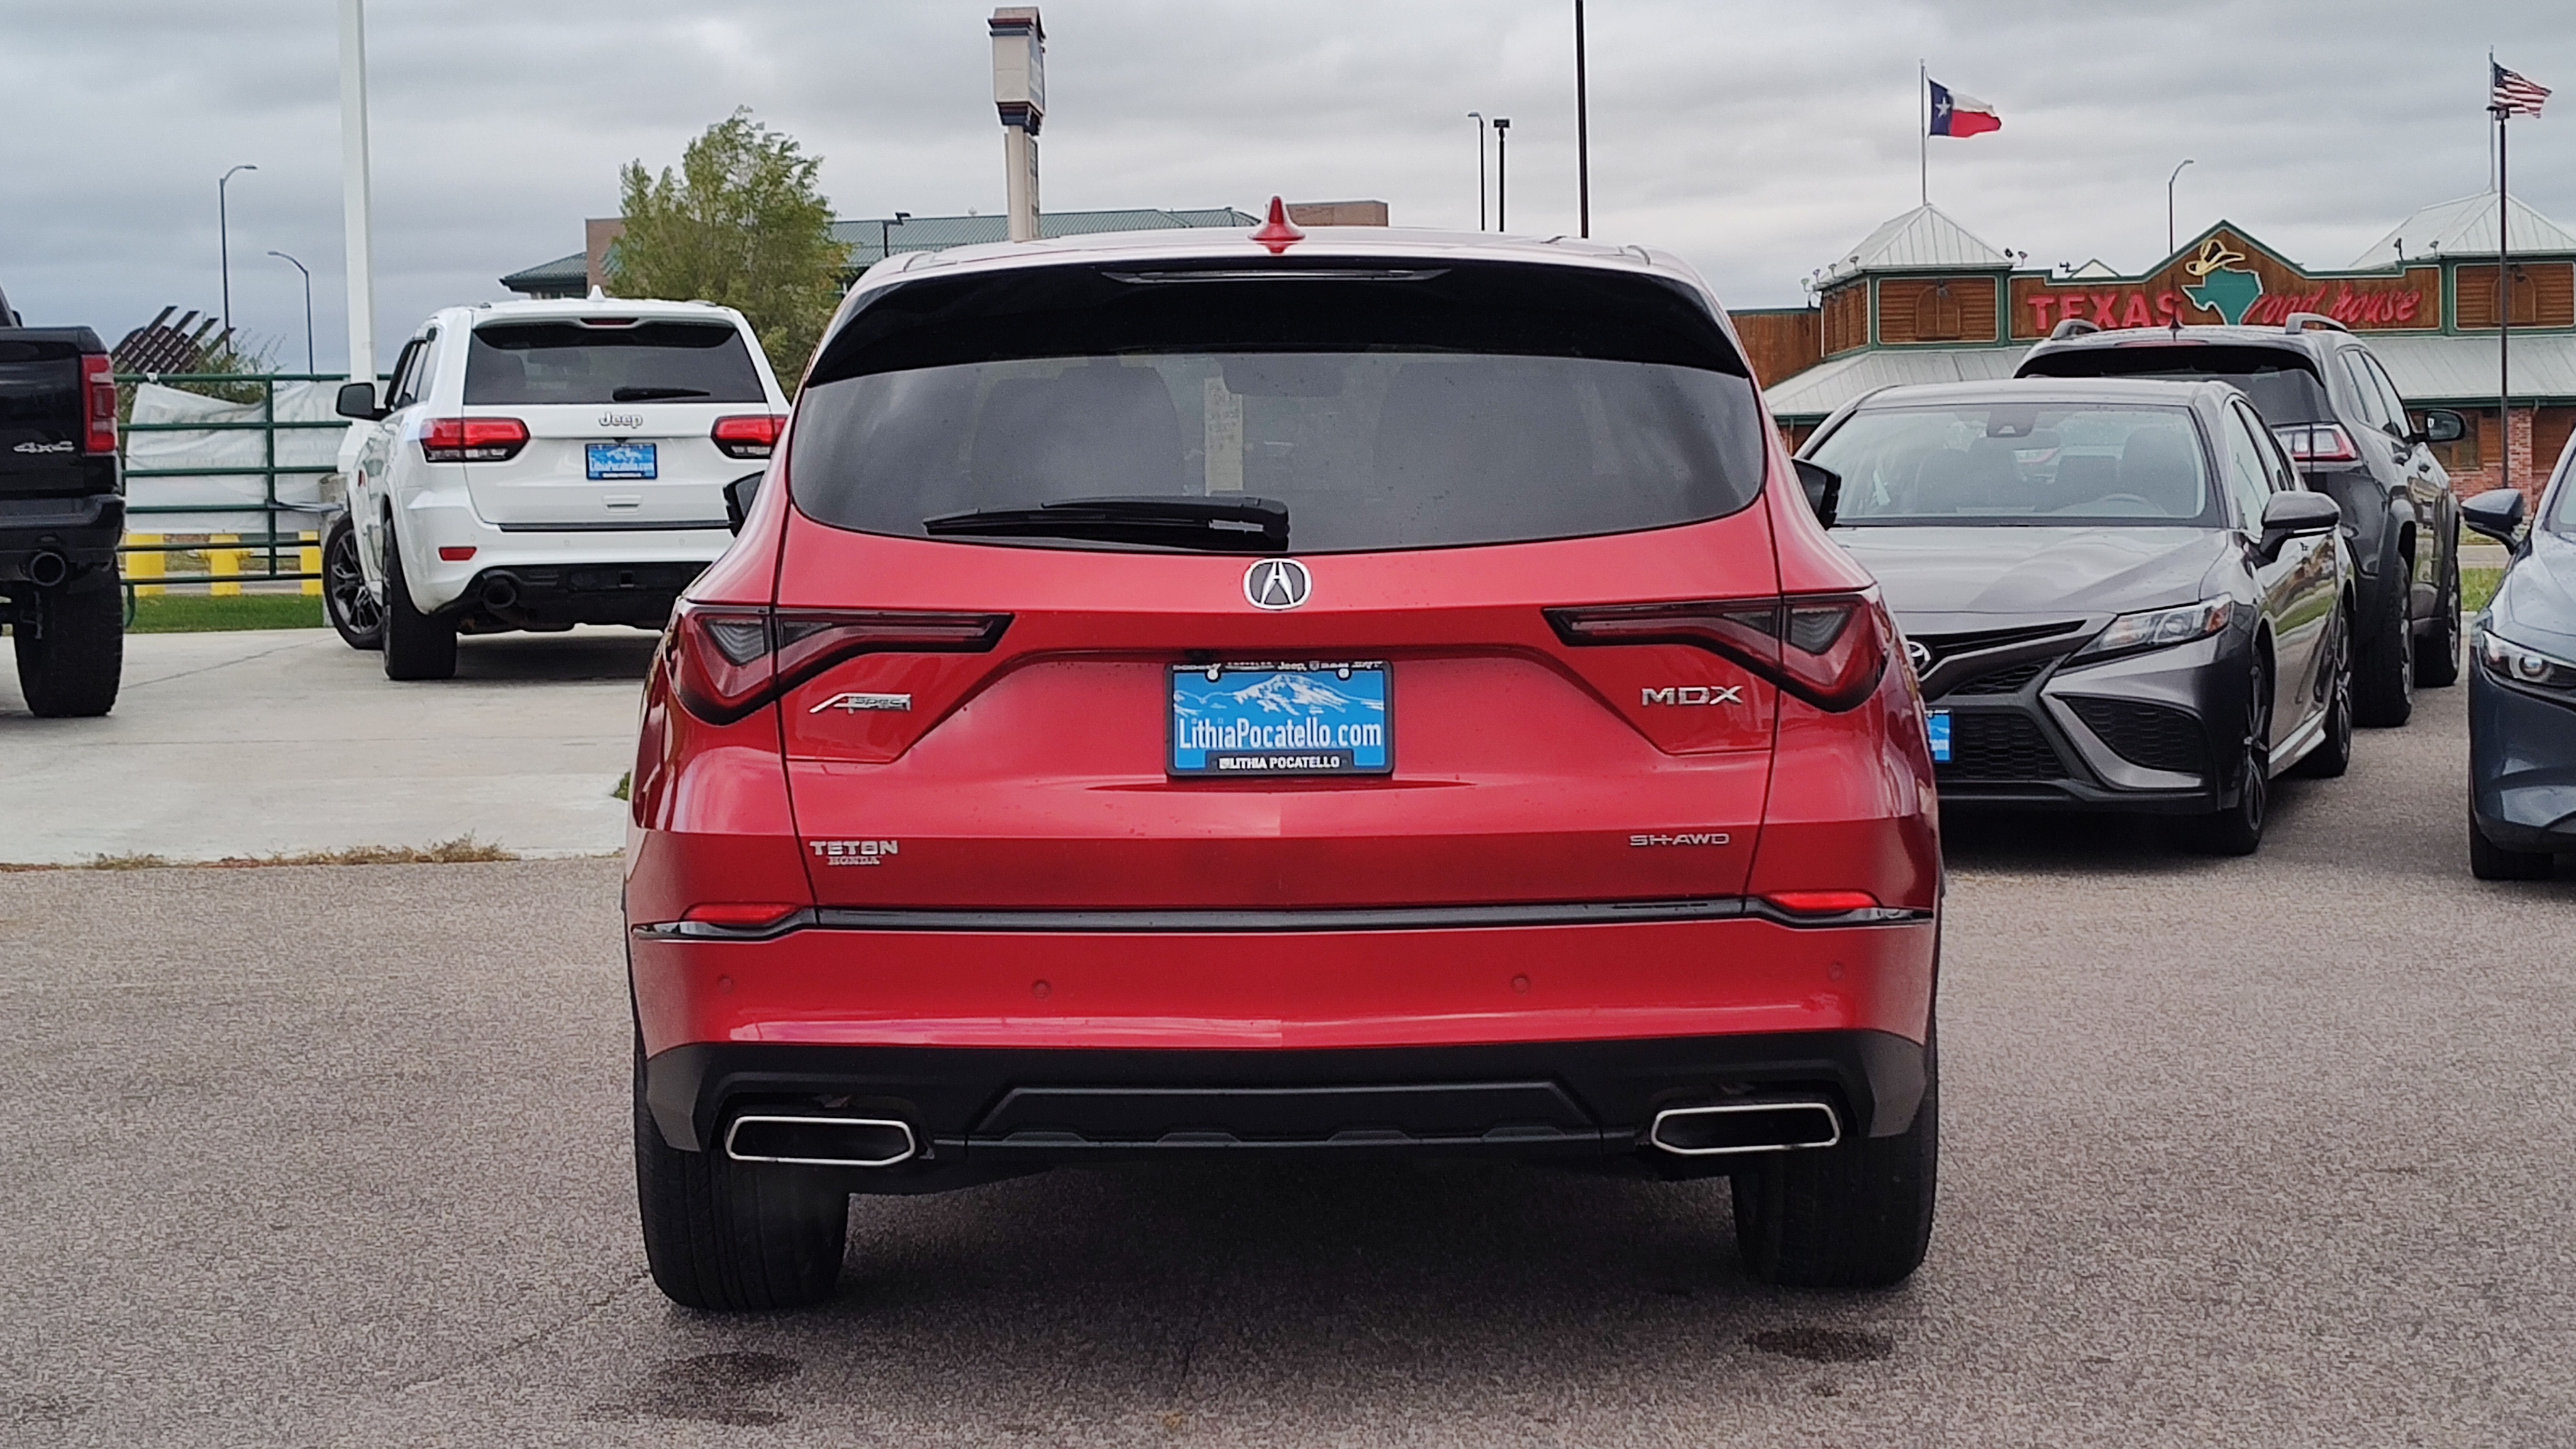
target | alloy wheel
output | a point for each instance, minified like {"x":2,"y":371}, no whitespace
{"x":354,"y":611}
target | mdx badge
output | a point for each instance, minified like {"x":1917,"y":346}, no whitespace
{"x":1277,"y":583}
{"x":1693,"y":694}
{"x":854,"y":702}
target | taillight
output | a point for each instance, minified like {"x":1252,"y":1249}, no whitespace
{"x":473,"y":440}
{"x":1822,"y":903}
{"x":731,"y":661}
{"x":98,"y":387}
{"x":1827,"y":649}
{"x":741,"y":915}
{"x":751,"y":435}
{"x":2318,"y":443}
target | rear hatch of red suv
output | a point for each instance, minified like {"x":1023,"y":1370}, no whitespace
{"x":1226,"y":588}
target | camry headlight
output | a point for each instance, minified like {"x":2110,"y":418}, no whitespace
{"x":2159,"y":628}
{"x":2525,"y":666}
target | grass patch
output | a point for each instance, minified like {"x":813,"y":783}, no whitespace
{"x":464,"y":849}
{"x":2478,"y":588}
{"x":205,"y":614}
{"x":625,"y":782}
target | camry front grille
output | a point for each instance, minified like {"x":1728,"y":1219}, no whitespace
{"x":2007,"y":680}
{"x":2156,"y":736}
{"x":1999,"y":745}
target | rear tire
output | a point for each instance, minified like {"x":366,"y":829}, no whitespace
{"x":416,"y":645}
{"x":734,"y":1236}
{"x":348,"y":601}
{"x":2383,"y":669}
{"x":2437,"y":655}
{"x":2238,"y":829}
{"x":2490,"y":861}
{"x":70,"y":664}
{"x":2333,"y":754}
{"x":1857,"y":1215}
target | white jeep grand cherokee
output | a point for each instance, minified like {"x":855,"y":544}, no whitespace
{"x":537,"y":465}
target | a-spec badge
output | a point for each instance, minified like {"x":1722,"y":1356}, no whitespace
{"x":856,"y":703}
{"x":854,"y":852}
{"x":1277,"y":583}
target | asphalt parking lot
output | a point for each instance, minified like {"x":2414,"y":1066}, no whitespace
{"x":2270,"y":1151}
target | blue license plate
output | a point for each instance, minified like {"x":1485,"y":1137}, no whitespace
{"x":1937,"y":726}
{"x":1273,"y":718}
{"x":624,"y":460}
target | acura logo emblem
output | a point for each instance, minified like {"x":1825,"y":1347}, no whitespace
{"x":1277,"y":583}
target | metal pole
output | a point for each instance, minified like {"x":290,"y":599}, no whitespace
{"x":1582,"y":131}
{"x":224,"y":245}
{"x":1502,"y":173}
{"x":1479,"y":118}
{"x":1923,"y":131}
{"x":357,"y":220}
{"x":308,"y":307}
{"x":2504,"y":309}
{"x":2169,"y":206}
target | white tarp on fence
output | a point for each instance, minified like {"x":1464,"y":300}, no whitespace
{"x":314,"y":448}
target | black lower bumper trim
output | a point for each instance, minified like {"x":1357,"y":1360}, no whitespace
{"x":983,"y":1111}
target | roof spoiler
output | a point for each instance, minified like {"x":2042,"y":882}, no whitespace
{"x":2072,"y":327}
{"x":2302,"y":321}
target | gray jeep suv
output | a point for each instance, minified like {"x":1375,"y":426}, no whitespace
{"x":2335,"y":411}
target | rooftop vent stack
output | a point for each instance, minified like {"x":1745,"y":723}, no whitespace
{"x":1019,"y":94}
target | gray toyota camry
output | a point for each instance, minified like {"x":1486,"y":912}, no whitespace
{"x":2117,"y":594}
{"x":2522,"y":695}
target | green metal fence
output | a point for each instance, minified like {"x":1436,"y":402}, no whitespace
{"x":279,"y":549}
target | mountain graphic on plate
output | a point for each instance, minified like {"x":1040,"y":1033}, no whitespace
{"x":1294,"y":694}
{"x":2226,"y":290}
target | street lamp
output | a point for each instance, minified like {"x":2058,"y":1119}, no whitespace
{"x":308,"y":305}
{"x":224,"y":245}
{"x":1582,"y":131}
{"x":1479,"y":118}
{"x":899,"y":219}
{"x":2169,"y":206}
{"x":1502,"y":173}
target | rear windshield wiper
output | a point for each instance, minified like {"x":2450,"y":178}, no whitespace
{"x":647,"y":394}
{"x":1222,"y":525}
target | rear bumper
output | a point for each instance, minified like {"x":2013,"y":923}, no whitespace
{"x":982,"y":1113}
{"x":84,"y":529}
{"x":1527,"y":1041}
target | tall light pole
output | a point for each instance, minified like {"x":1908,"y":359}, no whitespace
{"x":308,"y":305}
{"x":1582,"y":131}
{"x":2169,"y":206}
{"x":1479,"y":118}
{"x":357,"y":222}
{"x":883,"y":225}
{"x":1502,"y":173}
{"x":224,"y":244}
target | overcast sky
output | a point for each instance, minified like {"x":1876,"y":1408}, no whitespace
{"x":1760,"y":140}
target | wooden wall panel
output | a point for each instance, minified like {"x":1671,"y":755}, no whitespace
{"x":2544,"y":295}
{"x":2549,"y":433}
{"x":1846,"y":318}
{"x":1936,"y":309}
{"x":1780,"y":343}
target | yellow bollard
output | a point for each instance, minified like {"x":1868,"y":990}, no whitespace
{"x":224,"y":563}
{"x":309,"y":560}
{"x":148,"y":562}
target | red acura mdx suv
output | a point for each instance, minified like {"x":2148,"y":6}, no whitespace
{"x":1348,"y":695}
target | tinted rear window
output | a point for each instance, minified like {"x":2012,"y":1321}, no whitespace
{"x":2024,"y":464}
{"x":2282,"y":383}
{"x":40,"y":398}
{"x":1386,"y":410}
{"x":566,"y":362}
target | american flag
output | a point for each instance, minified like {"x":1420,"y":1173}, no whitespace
{"x":2511,"y":95}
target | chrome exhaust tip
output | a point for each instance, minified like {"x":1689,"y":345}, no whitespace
{"x":799,"y":1141}
{"x":1765,"y":1125}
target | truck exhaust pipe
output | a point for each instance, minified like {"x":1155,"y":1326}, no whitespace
{"x":48,"y":569}
{"x":499,"y":592}
{"x":1761,"y":1125}
{"x":801,"y":1141}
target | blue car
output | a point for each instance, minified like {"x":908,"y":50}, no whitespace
{"x":2522,"y":692}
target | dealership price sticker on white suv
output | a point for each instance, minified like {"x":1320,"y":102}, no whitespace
{"x":535,"y":465}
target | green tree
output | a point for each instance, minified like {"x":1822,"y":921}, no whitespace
{"x":740,"y":223}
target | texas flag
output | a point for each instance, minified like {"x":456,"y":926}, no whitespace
{"x":1955,"y":113}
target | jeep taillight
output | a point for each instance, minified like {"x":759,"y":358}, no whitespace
{"x":98,"y":392}
{"x":750,"y":435}
{"x":732,"y":660}
{"x":1827,"y":649}
{"x":2318,"y":443}
{"x":473,"y":440}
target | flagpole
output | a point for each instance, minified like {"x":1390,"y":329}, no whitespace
{"x":2504,"y":297}
{"x":1923,"y":129}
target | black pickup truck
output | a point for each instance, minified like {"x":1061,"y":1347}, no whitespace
{"x":62,"y":512}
